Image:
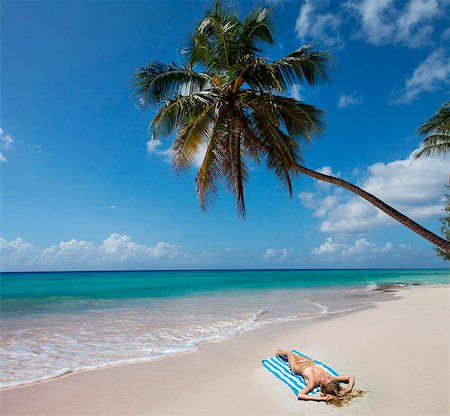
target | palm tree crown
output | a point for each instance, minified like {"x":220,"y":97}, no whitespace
{"x":227,"y":98}
{"x":438,"y":129}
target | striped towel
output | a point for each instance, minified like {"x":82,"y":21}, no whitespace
{"x":280,"y":368}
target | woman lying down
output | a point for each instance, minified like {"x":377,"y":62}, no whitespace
{"x":316,"y":376}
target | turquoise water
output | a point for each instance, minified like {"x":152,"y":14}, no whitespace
{"x":33,"y":292}
{"x":54,"y":323}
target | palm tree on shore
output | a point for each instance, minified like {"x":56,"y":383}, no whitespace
{"x":438,"y":129}
{"x":227,"y":98}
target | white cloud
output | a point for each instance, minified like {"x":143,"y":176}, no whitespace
{"x":409,"y":23}
{"x":154,"y":148}
{"x":411,"y":27}
{"x":346,"y":100}
{"x":388,"y":247}
{"x":280,"y":254}
{"x":319,"y":26}
{"x":431,"y":75}
{"x":117,"y":250}
{"x":359,"y":248}
{"x":308,"y":199}
{"x":122,"y":249}
{"x":162,"y":249}
{"x":414,"y":187}
{"x":376,"y":24}
{"x":328,"y":247}
{"x":379,"y":22}
{"x":16,"y":251}
{"x":320,"y":206}
{"x":71,"y":252}
{"x":6,"y":142}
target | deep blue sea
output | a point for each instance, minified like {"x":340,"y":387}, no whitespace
{"x":54,"y":323}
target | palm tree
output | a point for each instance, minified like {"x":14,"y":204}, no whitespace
{"x":438,"y":129}
{"x":227,"y":98}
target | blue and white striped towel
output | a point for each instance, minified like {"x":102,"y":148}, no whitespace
{"x":280,"y":368}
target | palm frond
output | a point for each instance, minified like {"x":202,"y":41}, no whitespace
{"x":303,"y":66}
{"x":234,"y":166}
{"x":300,"y":120}
{"x":174,"y":112}
{"x":256,"y":31}
{"x":216,"y":39}
{"x":197,"y":50}
{"x":158,"y":82}
{"x":258,"y":75}
{"x":435,"y":145}
{"x":438,"y":142}
{"x":209,"y":173}
{"x":192,"y":135}
{"x":439,"y":122}
{"x":281,"y":152}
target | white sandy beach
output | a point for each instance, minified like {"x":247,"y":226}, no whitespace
{"x":398,"y":351}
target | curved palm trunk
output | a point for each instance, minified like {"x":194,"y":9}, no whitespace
{"x":387,"y":209}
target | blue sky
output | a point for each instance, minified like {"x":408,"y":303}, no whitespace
{"x":81,"y":188}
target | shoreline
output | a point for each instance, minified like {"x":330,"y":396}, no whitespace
{"x":237,"y":384}
{"x":198,"y":347}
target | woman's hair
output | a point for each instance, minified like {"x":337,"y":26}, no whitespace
{"x":334,"y":388}
{"x":331,"y":388}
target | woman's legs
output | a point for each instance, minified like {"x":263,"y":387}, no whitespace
{"x":292,"y":358}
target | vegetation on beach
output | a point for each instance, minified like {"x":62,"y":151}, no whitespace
{"x":437,"y":129}
{"x":437,"y":142}
{"x":445,"y":229}
{"x":228,"y":98}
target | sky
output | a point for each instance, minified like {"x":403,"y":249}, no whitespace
{"x":83,"y":189}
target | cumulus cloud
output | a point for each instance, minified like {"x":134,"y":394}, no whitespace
{"x":318,"y":25}
{"x":409,"y":23}
{"x":413,"y":186}
{"x":378,"y":22}
{"x":328,"y":247}
{"x":430,"y":75}
{"x":277,"y":254}
{"x":117,"y":250}
{"x":347,"y":100}
{"x":359,"y":248}
{"x":6,"y":142}
{"x":16,"y":251}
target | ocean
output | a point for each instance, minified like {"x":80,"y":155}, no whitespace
{"x":59,"y":322}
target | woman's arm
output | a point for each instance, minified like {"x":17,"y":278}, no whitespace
{"x":350,"y":380}
{"x":303,"y":395}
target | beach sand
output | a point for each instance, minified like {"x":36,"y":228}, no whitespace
{"x":398,"y":351}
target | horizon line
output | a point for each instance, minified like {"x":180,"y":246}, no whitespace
{"x":218,"y":270}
